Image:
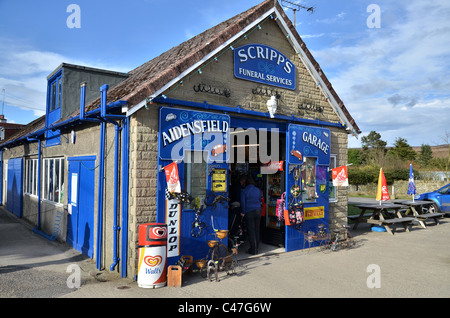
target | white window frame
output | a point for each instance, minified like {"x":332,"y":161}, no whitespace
{"x":53,"y":191}
{"x":31,"y":177}
{"x":330,"y":185}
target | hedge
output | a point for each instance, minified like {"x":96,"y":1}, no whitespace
{"x":369,"y":174}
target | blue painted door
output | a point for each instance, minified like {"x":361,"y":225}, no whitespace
{"x":81,"y":188}
{"x":14,"y":200}
{"x":308,"y":160}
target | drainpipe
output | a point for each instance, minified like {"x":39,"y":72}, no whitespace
{"x":39,"y":183}
{"x":101,"y":173}
{"x":82,"y":100}
{"x":104,"y":90}
{"x":116,"y":228}
{"x":125,"y":158}
{"x":1,"y":177}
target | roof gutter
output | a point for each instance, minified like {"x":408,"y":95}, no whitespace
{"x":93,"y":116}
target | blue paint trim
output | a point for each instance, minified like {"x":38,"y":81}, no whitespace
{"x":52,"y":136}
{"x":83,"y":158}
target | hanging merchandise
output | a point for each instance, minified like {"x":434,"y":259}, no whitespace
{"x":217,"y":199}
{"x":281,"y":205}
{"x":294,"y":215}
{"x":198,"y":225}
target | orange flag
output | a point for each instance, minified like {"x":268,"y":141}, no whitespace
{"x":382,"y":189}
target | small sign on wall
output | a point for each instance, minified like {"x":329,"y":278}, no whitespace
{"x":74,"y":191}
{"x":219,"y":180}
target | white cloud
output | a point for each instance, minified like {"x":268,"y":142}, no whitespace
{"x":339,"y":16}
{"x":309,"y":36}
{"x":24,"y":71}
{"x":396,"y":79}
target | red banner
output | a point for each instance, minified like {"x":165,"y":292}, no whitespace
{"x":173,"y":181}
{"x":340,"y":176}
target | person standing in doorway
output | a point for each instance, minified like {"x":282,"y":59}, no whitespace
{"x":251,"y":209}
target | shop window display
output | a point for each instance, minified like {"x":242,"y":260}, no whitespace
{"x":195,"y":175}
{"x":309,"y":180}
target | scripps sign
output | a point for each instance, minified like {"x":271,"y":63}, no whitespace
{"x":264,"y":64}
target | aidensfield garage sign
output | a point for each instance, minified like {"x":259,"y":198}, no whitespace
{"x":264,"y":64}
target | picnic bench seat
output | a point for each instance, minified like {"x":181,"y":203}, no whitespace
{"x":398,"y":220}
{"x":356,"y":216}
{"x":435,"y":216}
{"x":404,"y":221}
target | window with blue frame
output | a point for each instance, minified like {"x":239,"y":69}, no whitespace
{"x":54,"y":100}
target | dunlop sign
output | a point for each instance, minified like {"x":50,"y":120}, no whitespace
{"x":263,"y":64}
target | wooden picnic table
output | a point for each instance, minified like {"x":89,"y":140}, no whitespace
{"x":381,"y":215}
{"x":416,"y":210}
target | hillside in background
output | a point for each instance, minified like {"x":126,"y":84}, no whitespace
{"x":440,"y":151}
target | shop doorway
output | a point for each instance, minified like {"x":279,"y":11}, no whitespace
{"x":259,"y":153}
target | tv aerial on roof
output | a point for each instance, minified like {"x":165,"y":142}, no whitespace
{"x":295,"y":6}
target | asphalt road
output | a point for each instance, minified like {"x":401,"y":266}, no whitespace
{"x":405,"y":265}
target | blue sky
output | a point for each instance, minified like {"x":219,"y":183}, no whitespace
{"x":394,"y":79}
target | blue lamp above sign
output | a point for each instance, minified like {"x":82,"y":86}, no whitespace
{"x":264,"y":64}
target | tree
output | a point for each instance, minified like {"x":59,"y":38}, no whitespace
{"x":443,"y":164}
{"x":373,"y":148}
{"x":425,"y":155}
{"x":373,"y":141}
{"x":354,"y":156}
{"x":403,"y":150}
